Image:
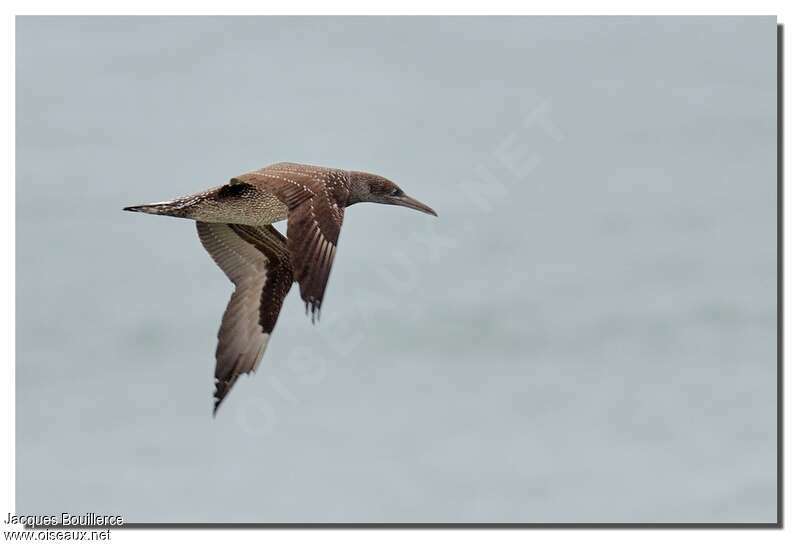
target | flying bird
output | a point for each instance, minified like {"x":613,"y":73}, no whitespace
{"x":234,"y":225}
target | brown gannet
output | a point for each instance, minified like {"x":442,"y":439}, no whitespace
{"x":234,"y":225}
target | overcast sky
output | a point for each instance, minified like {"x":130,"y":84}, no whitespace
{"x":587,"y":333}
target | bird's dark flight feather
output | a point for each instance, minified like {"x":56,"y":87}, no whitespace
{"x":316,"y":198}
{"x":256,"y":260}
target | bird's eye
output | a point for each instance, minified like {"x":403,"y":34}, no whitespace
{"x":397,"y":193}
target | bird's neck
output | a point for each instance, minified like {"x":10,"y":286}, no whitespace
{"x":359,"y":187}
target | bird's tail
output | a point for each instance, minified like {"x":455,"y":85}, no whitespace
{"x":180,"y":207}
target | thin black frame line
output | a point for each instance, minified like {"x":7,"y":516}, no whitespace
{"x":779,"y":522}
{"x":780,"y":404}
{"x":135,"y":526}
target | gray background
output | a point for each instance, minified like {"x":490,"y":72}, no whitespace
{"x":586,"y":334}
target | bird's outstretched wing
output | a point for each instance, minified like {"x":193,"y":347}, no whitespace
{"x":316,"y":198}
{"x":256,"y":260}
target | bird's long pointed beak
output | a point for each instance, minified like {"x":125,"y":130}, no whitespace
{"x":410,"y":202}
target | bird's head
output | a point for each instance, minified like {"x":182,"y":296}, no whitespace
{"x":371,"y":188}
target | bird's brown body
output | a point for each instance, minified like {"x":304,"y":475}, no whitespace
{"x":250,"y":206}
{"x":234,"y":225}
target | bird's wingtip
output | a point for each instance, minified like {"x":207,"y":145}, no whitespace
{"x":314,"y":307}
